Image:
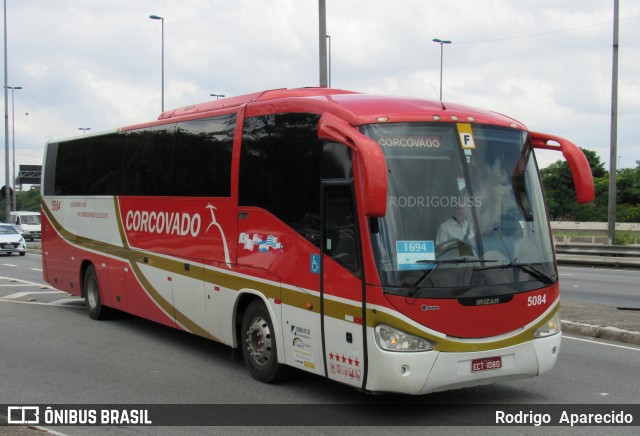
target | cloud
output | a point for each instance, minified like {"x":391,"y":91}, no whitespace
{"x":546,"y":63}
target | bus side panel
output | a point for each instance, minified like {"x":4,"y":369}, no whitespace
{"x":302,"y":338}
{"x":265,"y":242}
{"x":224,"y":289}
{"x":171,"y":240}
{"x":67,"y":268}
{"x":343,"y":324}
{"x":58,"y":255}
{"x":73,"y":226}
{"x":189,"y":298}
{"x":50,"y":250}
{"x":189,"y":228}
{"x":221,"y":296}
{"x":149,"y":291}
{"x":116,"y":270}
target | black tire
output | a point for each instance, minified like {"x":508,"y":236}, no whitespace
{"x":258,"y":343}
{"x":93,"y":303}
{"x":22,"y":253}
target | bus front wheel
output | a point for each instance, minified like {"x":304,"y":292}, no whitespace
{"x":92,"y":295}
{"x":258,"y":344}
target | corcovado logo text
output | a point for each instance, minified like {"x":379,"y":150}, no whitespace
{"x":164,"y":223}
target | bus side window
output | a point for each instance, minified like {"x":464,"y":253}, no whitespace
{"x":280,"y":168}
{"x":341,"y":243}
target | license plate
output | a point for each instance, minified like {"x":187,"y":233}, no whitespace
{"x":9,"y":246}
{"x":486,"y":364}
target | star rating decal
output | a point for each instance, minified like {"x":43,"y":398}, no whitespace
{"x":338,"y":357}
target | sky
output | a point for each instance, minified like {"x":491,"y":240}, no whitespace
{"x":97,"y":64}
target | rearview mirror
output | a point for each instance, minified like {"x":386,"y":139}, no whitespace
{"x":369,"y":162}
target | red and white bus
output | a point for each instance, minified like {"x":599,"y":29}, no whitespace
{"x":392,"y":244}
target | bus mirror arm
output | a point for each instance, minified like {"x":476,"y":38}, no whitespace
{"x":578,"y":163}
{"x":369,"y":158}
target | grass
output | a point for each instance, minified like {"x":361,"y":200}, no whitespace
{"x":622,"y":238}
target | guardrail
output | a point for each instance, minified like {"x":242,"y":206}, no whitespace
{"x":598,"y":254}
{"x":34,"y":246}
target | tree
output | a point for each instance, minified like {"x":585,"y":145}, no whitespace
{"x":628,"y":193}
{"x":28,"y":201}
{"x":560,"y":191}
{"x":628,"y":185}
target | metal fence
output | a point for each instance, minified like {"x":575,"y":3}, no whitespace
{"x":598,"y":254}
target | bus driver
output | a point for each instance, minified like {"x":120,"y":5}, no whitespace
{"x":458,"y":228}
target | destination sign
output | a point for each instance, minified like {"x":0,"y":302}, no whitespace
{"x":411,"y":141}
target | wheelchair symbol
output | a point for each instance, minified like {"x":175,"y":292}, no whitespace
{"x":314,"y":263}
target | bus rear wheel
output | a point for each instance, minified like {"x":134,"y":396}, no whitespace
{"x":92,"y":295}
{"x":258,"y":342}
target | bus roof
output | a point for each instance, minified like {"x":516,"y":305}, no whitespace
{"x":356,"y":108}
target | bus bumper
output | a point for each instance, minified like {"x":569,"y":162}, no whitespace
{"x":432,"y":371}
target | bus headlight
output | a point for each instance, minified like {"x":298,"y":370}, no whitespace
{"x":392,"y":339}
{"x":552,"y":327}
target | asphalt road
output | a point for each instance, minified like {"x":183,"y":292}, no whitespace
{"x":51,"y":352}
{"x":612,"y":287}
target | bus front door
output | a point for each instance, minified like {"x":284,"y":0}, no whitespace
{"x":341,"y":288}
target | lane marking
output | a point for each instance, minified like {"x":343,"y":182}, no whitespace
{"x":8,"y":264}
{"x":24,"y":294}
{"x":36,"y":269}
{"x":40,"y":285}
{"x":68,"y":302}
{"x":15,"y":285}
{"x":42,"y":304}
{"x":601,"y":343}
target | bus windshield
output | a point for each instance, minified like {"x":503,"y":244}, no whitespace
{"x":465,"y":215}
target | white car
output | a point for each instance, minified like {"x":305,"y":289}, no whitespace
{"x":27,"y":223}
{"x":11,"y":241}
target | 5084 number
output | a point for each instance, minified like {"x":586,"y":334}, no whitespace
{"x":537,"y":300}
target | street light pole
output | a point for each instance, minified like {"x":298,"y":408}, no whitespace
{"x":217,"y":96}
{"x":322,"y":6}
{"x":13,"y":140}
{"x":442,"y":43}
{"x":329,"y":61}
{"x":156,"y":17}
{"x":7,"y":205}
{"x":613,"y":148}
{"x":84,"y":129}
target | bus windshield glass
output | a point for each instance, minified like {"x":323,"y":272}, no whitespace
{"x":465,"y":215}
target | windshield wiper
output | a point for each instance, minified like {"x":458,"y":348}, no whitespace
{"x":436,"y":263}
{"x":526,"y":267}
{"x":534,"y":272}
